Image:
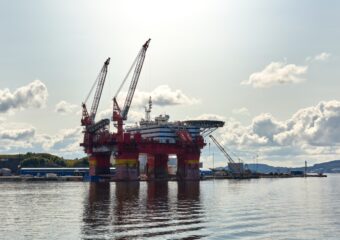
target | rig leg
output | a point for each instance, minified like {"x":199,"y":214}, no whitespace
{"x":127,"y":166}
{"x":188,"y":166}
{"x":99,"y":167}
{"x":157,"y":166}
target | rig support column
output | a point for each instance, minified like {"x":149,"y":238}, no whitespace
{"x":127,"y":166}
{"x":188,"y":165}
{"x":99,"y":167}
{"x":157,"y":166}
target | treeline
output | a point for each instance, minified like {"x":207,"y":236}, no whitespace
{"x":45,"y":160}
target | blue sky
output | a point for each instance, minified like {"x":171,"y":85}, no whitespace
{"x":268,"y":68}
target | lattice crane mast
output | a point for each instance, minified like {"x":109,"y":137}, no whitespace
{"x":121,"y":114}
{"x":89,"y":118}
{"x":222,"y":149}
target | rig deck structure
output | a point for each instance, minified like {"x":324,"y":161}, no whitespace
{"x":156,"y":139}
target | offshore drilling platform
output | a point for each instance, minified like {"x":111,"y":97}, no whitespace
{"x":156,"y":139}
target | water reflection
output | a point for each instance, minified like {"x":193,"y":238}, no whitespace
{"x":125,"y":203}
{"x":133,"y":210}
{"x":292,"y":208}
{"x":190,"y":212}
{"x":97,"y":212}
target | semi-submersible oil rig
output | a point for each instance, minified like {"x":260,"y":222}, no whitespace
{"x":156,"y":139}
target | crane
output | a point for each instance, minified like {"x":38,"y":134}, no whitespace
{"x":222,"y":149}
{"x":234,"y":168}
{"x":89,"y":118}
{"x":121,"y":114}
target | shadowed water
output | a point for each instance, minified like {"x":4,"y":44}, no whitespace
{"x":295,"y":208}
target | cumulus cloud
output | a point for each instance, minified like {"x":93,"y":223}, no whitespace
{"x":17,"y":134}
{"x":16,"y":131}
{"x":316,"y":126}
{"x":265,"y":125}
{"x":64,"y":107}
{"x":33,"y":95}
{"x":234,"y":133}
{"x":22,"y":137}
{"x":324,"y":56}
{"x":276,"y":73}
{"x":105,"y":114}
{"x":162,"y":96}
{"x":310,"y":130}
{"x":63,"y":139}
{"x":135,"y":116}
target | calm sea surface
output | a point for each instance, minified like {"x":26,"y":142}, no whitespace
{"x":295,"y":208}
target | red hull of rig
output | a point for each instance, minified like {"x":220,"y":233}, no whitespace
{"x":127,"y":150}
{"x":125,"y":147}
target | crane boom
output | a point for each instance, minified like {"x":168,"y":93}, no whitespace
{"x":222,"y":149}
{"x":101,"y":80}
{"x":138,"y":62}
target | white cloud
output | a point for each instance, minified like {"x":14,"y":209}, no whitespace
{"x":276,"y":73}
{"x":16,"y":131}
{"x":241,"y":111}
{"x":60,"y":142}
{"x":135,"y":116}
{"x":310,"y":133}
{"x":105,"y":114}
{"x":22,"y":137}
{"x":64,"y":107}
{"x":234,"y":133}
{"x":324,"y":56}
{"x":63,"y":139}
{"x":162,"y":96}
{"x":266,"y":126}
{"x":316,"y":126}
{"x":17,"y":134}
{"x":33,"y":95}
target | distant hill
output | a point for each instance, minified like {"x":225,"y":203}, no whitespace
{"x":326,"y":167}
{"x":264,"y":168}
{"x":15,"y":161}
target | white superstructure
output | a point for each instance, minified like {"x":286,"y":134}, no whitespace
{"x":162,"y":130}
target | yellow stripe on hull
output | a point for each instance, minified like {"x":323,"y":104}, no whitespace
{"x":196,"y":161}
{"x":93,"y":162}
{"x":126,"y":162}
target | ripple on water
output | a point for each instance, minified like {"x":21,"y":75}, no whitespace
{"x":260,"y":209}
